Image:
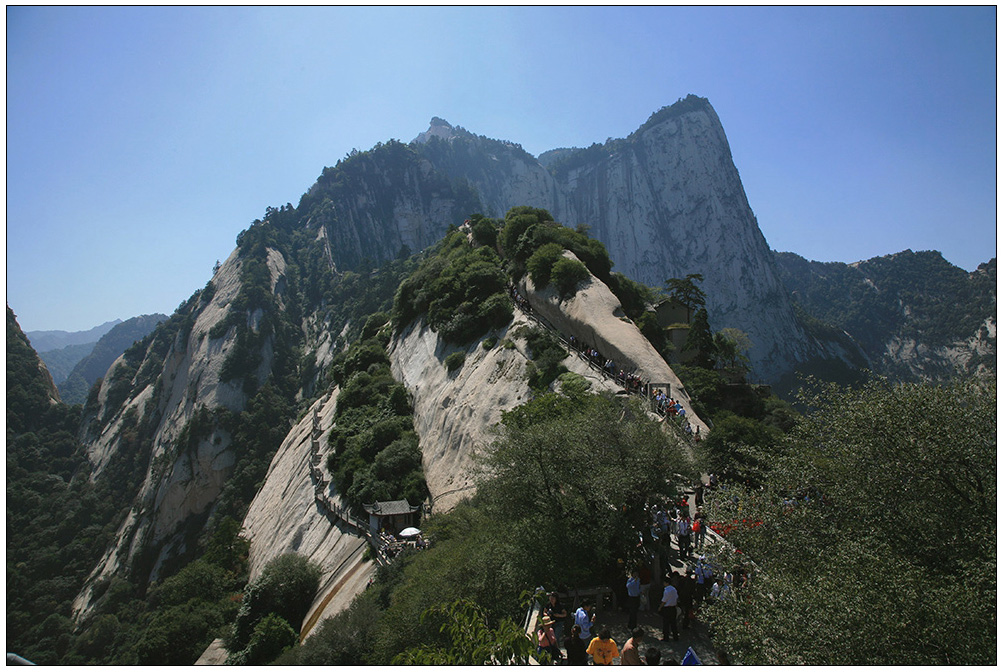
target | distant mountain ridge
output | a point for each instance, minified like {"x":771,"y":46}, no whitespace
{"x":915,"y":315}
{"x":44,"y":341}
{"x":60,"y":362}
{"x":109,"y":347}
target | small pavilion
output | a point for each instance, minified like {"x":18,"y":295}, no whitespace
{"x":392,"y":516}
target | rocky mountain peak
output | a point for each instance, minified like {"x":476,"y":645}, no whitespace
{"x":438,"y":128}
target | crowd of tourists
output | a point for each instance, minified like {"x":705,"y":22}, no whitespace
{"x":630,"y":380}
{"x":699,"y":581}
{"x":683,"y":595}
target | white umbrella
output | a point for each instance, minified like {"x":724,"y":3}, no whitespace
{"x":409,"y":532}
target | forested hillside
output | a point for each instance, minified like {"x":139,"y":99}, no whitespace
{"x":58,"y":521}
{"x":915,"y":315}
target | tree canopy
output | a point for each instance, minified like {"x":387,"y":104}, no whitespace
{"x":685,"y":291}
{"x":878,"y":535}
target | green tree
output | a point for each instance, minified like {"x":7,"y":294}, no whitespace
{"x":567,"y":274}
{"x":540,"y":264}
{"x":272,"y":635}
{"x":739,"y":449}
{"x":575,"y":474}
{"x":732,"y":346}
{"x":685,"y":291}
{"x":472,"y":641}
{"x":485,"y":230}
{"x":878,"y":536}
{"x":700,"y":341}
{"x":286,"y":588}
{"x":178,"y":634}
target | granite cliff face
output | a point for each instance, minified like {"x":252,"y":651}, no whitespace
{"x":377,"y":205}
{"x":502,"y":173}
{"x":144,"y":410}
{"x":667,"y":201}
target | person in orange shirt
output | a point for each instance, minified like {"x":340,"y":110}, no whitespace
{"x":603,"y":649}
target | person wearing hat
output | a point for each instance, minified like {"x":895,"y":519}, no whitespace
{"x":546,"y":640}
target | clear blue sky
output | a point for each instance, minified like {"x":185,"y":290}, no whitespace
{"x":141,"y":141}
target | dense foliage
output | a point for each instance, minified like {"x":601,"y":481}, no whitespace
{"x":461,"y":288}
{"x":185,"y":612}
{"x":527,"y":230}
{"x":271,"y":604}
{"x":472,"y":640}
{"x":57,"y":520}
{"x":878,"y":542}
{"x":376,"y":454}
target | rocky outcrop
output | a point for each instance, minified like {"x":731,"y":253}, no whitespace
{"x":907,"y":358}
{"x":375,"y":205}
{"x":503,"y":174}
{"x":182,"y":480}
{"x":914,"y":315}
{"x":454,"y":412}
{"x":594,"y":316}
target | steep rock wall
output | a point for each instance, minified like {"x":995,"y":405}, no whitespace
{"x":454,"y":412}
{"x":180,"y":482}
{"x":284,"y":517}
{"x":667,"y":202}
{"x":907,"y":358}
{"x":374,"y":204}
{"x":503,"y":173}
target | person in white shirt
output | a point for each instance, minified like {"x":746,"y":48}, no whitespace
{"x":669,"y":608}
